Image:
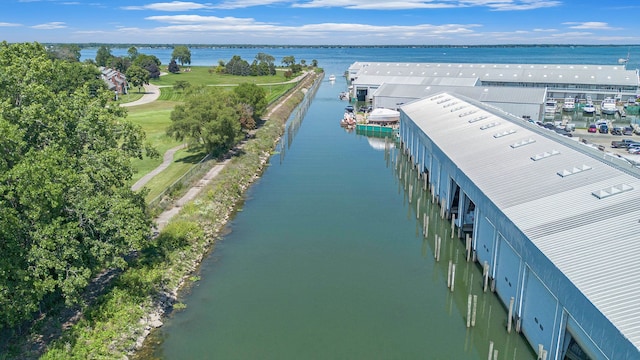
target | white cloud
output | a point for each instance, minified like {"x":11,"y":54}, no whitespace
{"x":170,"y":6}
{"x":590,"y":25}
{"x":240,"y":4}
{"x":6,"y":24}
{"x":50,"y":26}
{"x":497,"y":5}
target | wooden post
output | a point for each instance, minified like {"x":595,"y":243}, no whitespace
{"x":453,"y":224}
{"x":453,"y":276}
{"x":426,"y":225}
{"x":410,"y":192}
{"x":485,"y":274}
{"x":510,"y":319}
{"x":469,"y":304}
{"x":439,"y":246}
{"x":449,"y":274}
{"x":467,"y":243}
{"x":475,"y":308}
{"x":418,"y":209}
{"x":490,"y":350}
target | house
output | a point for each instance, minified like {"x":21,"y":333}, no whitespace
{"x":115,"y":80}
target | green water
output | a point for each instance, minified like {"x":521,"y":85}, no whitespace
{"x":326,"y":260}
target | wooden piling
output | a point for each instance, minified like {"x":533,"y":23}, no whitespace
{"x":510,"y":319}
{"x":453,"y":276}
{"x":490,"y":350}
{"x":485,"y":274}
{"x":475,"y":308}
{"x":439,"y":245}
{"x":467,"y":244}
{"x":469,"y":305}
{"x":426,"y":225}
{"x":418,"y":208}
{"x":453,"y":224}
{"x":449,"y":274}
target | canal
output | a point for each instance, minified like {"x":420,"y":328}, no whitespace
{"x":327,"y":259}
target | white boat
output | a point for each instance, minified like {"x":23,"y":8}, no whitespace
{"x":383,"y":116}
{"x":608,"y":106}
{"x":550,"y":106}
{"x":569,"y":104}
{"x":332,"y":77}
{"x":589,"y":108}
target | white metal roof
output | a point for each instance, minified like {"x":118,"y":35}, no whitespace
{"x":519,"y":73}
{"x":558,"y":200}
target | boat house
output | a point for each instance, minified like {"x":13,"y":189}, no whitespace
{"x":555,"y":222}
{"x":527,"y":103}
{"x":561,"y":81}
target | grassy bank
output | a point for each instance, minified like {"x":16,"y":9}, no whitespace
{"x":115,"y":323}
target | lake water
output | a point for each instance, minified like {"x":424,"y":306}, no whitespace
{"x":327,"y":260}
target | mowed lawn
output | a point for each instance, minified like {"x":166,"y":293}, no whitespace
{"x":200,"y":75}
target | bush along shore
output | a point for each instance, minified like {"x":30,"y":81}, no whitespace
{"x":116,"y":323}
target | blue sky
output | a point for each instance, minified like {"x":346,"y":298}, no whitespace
{"x":323,"y":22}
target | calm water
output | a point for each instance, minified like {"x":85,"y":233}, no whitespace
{"x":327,"y":260}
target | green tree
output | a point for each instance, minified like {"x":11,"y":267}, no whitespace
{"x":133,"y":53}
{"x":150,"y":63}
{"x":255,"y":97}
{"x":69,"y":52}
{"x":182,"y":54}
{"x":209,"y":117}
{"x":137,"y":76}
{"x":66,"y":208}
{"x":103,"y":56}
{"x":173,"y":67}
{"x":314,"y":63}
{"x":288,"y":60}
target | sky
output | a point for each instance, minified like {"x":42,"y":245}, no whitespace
{"x":322,"y":22}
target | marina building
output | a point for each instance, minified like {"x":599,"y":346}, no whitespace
{"x":561,"y":81}
{"x":527,"y":103}
{"x":555,"y":222}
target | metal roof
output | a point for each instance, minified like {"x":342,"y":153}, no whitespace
{"x":580,"y":210}
{"x":482,"y":93}
{"x":519,"y":73}
{"x":408,"y":79}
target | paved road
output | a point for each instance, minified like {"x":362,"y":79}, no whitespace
{"x":151,"y":94}
{"x":166,"y":161}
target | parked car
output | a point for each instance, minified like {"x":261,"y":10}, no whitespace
{"x":349,"y":108}
{"x":592,"y":128}
{"x":604,"y":129}
{"x":634,"y":150}
{"x":628,"y":130}
{"x":617,"y":130}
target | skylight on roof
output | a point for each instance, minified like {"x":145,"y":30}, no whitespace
{"x":478,"y":118}
{"x":504,"y":133}
{"x":489,"y":125}
{"x":450,"y":104}
{"x":575,"y":170}
{"x":522,"y":143}
{"x":437,"y":97}
{"x":545,"y":155}
{"x":443,"y":101}
{"x":458,"y":108}
{"x":612,"y":190}
{"x":468,"y":113}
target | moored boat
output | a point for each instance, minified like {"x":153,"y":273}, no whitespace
{"x":569,"y":104}
{"x":550,"y":106}
{"x":608,"y":106}
{"x":589,"y":107}
{"x":332,"y":77}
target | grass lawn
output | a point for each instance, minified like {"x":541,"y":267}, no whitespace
{"x":199,"y":75}
{"x":154,"y":119}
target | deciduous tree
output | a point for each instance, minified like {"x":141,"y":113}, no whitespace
{"x":209,"y":117}
{"x":66,"y":208}
{"x":137,"y":76}
{"x":182,"y":54}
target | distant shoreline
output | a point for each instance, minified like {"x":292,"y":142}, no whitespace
{"x":255,"y":46}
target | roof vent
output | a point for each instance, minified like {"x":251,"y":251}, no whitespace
{"x":523,"y":143}
{"x":545,"y":155}
{"x":437,"y":97}
{"x":489,"y":125}
{"x":443,"y":101}
{"x":450,"y":104}
{"x":504,"y":133}
{"x":478,"y":118}
{"x":612,"y":190}
{"x":575,"y":170}
{"x":468,"y":113}
{"x":458,"y":108}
